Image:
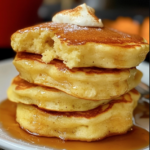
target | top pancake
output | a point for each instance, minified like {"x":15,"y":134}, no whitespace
{"x":81,"y":46}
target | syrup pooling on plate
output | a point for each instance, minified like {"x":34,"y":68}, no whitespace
{"x":135,"y":139}
{"x":70,"y":33}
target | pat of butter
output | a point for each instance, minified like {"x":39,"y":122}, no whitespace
{"x":82,"y":15}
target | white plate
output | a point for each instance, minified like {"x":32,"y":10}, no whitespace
{"x":7,"y":72}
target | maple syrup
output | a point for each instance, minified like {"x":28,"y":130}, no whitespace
{"x":69,"y":34}
{"x":135,"y":139}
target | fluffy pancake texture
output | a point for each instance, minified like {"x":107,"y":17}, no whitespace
{"x":24,"y":92}
{"x":86,"y":83}
{"x":76,"y":82}
{"x":81,"y":46}
{"x":106,"y":120}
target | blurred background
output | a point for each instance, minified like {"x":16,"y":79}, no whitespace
{"x":131,"y":16}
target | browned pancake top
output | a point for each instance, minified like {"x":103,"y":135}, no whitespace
{"x":78,"y":35}
{"x":62,"y":67}
{"x":96,"y":111}
{"x":22,"y":85}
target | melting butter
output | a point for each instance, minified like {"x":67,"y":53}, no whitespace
{"x":82,"y":15}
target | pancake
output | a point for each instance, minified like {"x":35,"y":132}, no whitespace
{"x":85,"y":83}
{"x":21,"y":91}
{"x":106,"y":120}
{"x":81,"y":46}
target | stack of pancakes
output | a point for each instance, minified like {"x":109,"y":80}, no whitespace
{"x":76,"y":83}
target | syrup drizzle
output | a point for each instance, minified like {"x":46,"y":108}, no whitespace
{"x":70,"y":34}
{"x":135,"y":139}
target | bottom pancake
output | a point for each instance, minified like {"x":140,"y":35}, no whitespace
{"x":106,"y":120}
